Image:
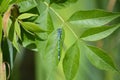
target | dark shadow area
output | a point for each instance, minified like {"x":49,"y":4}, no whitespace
{"x":24,"y":66}
{"x":27,"y":66}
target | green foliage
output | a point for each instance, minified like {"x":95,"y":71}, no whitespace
{"x":98,"y":33}
{"x":29,"y":26}
{"x":95,"y":19}
{"x":61,"y":1}
{"x":99,"y":58}
{"x":49,"y":50}
{"x":71,"y":61}
{"x":17,"y":29}
{"x":26,"y":15}
{"x":0,"y":28}
{"x":58,"y":40}
{"x":4,"y":5}
{"x":27,"y":5}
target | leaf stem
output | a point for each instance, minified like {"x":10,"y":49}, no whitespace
{"x":111,"y":5}
{"x":61,"y":19}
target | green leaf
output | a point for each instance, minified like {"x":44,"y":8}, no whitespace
{"x":50,"y":26}
{"x":58,"y":20}
{"x":45,"y":21}
{"x":29,"y":26}
{"x":7,"y":50}
{"x":4,"y":5}
{"x":14,"y":30}
{"x":99,"y":58}
{"x":26,"y":15}
{"x":57,"y":1}
{"x":28,"y":40}
{"x":17,"y":29}
{"x":52,"y":53}
{"x":10,"y":30}
{"x":27,"y":5}
{"x":0,"y":29}
{"x":71,"y":61}
{"x":62,"y":1}
{"x":16,"y":1}
{"x":15,"y":42}
{"x":98,"y":33}
{"x":92,"y":18}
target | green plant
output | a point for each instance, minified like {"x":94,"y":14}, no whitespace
{"x":58,"y":39}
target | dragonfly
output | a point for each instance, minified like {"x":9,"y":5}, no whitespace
{"x":60,"y":41}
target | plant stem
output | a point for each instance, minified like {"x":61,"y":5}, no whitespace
{"x":111,"y":5}
{"x":62,"y":20}
{"x":1,"y":77}
{"x":2,"y":68}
